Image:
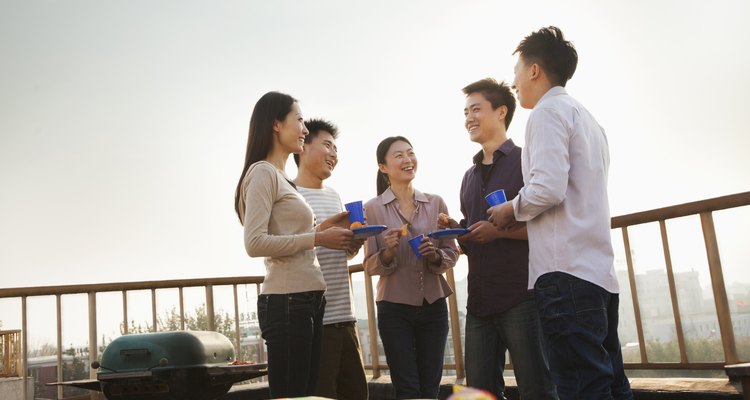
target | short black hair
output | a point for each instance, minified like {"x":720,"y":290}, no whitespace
{"x":548,"y":48}
{"x":315,"y":126}
{"x":498,"y":94}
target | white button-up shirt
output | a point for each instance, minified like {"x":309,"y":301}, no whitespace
{"x":564,"y":198}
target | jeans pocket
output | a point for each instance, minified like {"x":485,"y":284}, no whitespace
{"x":262,"y":310}
{"x":590,"y":305}
{"x":302,"y":301}
{"x":551,"y":305}
{"x":548,"y":297}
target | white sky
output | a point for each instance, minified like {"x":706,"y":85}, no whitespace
{"x":123,"y":124}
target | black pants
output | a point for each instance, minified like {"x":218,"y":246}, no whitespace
{"x":292,"y":326}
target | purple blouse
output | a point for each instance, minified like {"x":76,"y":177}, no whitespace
{"x":407,"y":279}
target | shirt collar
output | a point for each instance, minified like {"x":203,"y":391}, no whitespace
{"x":388,"y":196}
{"x":504,"y":149}
{"x":555,"y":91}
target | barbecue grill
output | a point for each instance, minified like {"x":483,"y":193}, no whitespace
{"x":183,"y":365}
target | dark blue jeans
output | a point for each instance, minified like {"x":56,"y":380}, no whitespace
{"x":579,"y":323}
{"x":292,"y":326}
{"x":414,"y":343}
{"x":516,"y":330}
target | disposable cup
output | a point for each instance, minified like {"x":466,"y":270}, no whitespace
{"x":496,"y":197}
{"x":415,"y":242}
{"x":356,"y":212}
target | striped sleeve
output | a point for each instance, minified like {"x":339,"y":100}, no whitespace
{"x":333,"y":263}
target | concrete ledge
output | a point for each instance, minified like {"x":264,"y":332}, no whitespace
{"x":12,"y":388}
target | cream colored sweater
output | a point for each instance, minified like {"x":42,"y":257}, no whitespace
{"x":280,"y":226}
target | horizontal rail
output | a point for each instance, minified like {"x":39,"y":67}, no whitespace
{"x":127,"y":286}
{"x":682,"y":210}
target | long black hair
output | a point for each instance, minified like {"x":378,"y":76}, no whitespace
{"x":272,"y":107}
{"x":382,"y":179}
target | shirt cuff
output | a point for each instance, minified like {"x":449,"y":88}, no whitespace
{"x":307,"y":240}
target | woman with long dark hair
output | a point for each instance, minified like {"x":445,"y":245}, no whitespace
{"x":280,"y":226}
{"x":412,"y":310}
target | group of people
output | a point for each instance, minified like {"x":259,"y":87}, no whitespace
{"x":541,"y":282}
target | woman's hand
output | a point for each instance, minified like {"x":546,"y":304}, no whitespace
{"x":428,"y":250}
{"x":391,"y":238}
{"x":334,"y":237}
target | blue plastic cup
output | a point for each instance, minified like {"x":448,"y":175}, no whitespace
{"x":496,"y":197}
{"x":415,"y":242}
{"x":356,"y":212}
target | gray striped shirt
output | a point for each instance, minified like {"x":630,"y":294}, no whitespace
{"x":339,"y":307}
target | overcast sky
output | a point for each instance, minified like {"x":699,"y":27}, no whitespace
{"x":123,"y":124}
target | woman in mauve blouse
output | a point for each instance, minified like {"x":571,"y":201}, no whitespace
{"x":412,"y":310}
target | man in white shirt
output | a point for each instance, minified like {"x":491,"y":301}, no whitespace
{"x":565,"y":206}
{"x":342,"y":375}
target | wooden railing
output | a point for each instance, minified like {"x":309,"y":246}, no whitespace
{"x":702,"y":208}
{"x":91,"y":290}
{"x":705,"y":210}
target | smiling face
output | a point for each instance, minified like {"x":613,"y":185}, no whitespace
{"x":400,"y":163}
{"x":320,"y":156}
{"x":290,"y":133}
{"x":481,"y":120}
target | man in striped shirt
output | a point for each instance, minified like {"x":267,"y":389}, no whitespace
{"x":342,"y":375}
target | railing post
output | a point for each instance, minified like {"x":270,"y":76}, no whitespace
{"x":673,"y":292}
{"x":261,"y":341}
{"x":720,"y":291}
{"x":182,"y":310}
{"x":371,"y":325}
{"x":24,"y":348}
{"x":210,"y":307}
{"x":125,"y":328}
{"x":458,"y":353}
{"x":634,"y":296}
{"x":236,"y":324}
{"x":154,"y":320}
{"x":59,"y":345}
{"x":93,"y":348}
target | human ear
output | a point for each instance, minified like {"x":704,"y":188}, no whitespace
{"x":502,"y":111}
{"x":535,"y":71}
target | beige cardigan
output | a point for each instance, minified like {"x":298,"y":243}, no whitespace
{"x":279,"y":226}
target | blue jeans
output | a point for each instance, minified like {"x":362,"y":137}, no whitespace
{"x":579,"y":321}
{"x":292,"y":326}
{"x":414,"y":343}
{"x":516,"y":330}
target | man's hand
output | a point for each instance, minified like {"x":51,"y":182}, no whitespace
{"x":446,"y":222}
{"x":502,"y":216}
{"x":341,"y":220}
{"x":481,"y":232}
{"x":355,"y":245}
